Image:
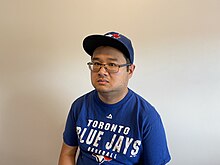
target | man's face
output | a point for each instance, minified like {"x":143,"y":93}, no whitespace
{"x":105,"y":82}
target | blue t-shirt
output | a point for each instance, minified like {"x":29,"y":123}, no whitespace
{"x":129,"y":132}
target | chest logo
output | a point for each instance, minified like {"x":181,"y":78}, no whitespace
{"x":109,"y":116}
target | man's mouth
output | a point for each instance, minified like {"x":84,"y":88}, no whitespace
{"x":102,"y":81}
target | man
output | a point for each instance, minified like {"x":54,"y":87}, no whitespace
{"x":112,"y":124}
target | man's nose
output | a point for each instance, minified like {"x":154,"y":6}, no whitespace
{"x":103,"y":70}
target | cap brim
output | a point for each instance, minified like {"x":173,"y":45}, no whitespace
{"x":92,"y":42}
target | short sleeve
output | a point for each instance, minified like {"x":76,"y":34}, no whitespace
{"x":155,"y":150}
{"x":70,"y":134}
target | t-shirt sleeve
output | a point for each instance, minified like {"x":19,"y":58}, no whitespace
{"x":155,"y":150}
{"x":70,"y":134}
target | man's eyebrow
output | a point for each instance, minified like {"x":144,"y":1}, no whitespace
{"x":112,"y":59}
{"x":109,"y":59}
{"x":95,"y":58}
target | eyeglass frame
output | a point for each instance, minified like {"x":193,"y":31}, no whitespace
{"x":104,"y":65}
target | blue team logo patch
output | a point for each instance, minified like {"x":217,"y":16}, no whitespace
{"x":101,"y":159}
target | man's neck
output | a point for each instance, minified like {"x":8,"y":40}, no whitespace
{"x":112,"y":97}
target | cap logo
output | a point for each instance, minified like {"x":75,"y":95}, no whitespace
{"x":115,"y":35}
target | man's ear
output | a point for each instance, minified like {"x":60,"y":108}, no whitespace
{"x":131,"y":69}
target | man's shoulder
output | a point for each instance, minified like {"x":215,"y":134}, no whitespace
{"x":84,"y":97}
{"x":81,"y":101}
{"x":145,"y":108}
{"x":141,"y":100}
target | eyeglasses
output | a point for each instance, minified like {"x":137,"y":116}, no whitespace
{"x":111,"y":68}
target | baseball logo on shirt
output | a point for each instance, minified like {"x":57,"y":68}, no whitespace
{"x":101,"y":159}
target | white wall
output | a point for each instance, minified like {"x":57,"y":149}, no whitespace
{"x":43,"y":69}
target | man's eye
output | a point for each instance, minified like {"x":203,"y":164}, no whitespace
{"x":112,"y":64}
{"x":96,"y":64}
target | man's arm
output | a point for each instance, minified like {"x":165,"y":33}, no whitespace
{"x":67,"y":155}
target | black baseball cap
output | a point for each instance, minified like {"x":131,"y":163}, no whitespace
{"x":113,"y":39}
